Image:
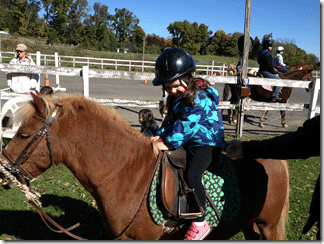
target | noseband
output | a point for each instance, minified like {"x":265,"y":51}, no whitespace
{"x":14,"y":166}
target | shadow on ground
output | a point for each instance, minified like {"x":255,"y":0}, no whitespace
{"x":28,"y":225}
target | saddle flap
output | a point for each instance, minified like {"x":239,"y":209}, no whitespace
{"x":169,"y":186}
{"x":178,"y":157}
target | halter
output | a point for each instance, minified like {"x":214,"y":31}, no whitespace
{"x":13,"y":166}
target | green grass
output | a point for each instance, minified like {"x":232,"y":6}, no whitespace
{"x":66,"y":201}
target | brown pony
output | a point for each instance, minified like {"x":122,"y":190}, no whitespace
{"x":258,"y":93}
{"x":115,"y":164}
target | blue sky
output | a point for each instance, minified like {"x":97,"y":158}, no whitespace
{"x":293,"y":20}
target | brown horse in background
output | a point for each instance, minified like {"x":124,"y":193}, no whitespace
{"x":258,"y":93}
{"x":115,"y":163}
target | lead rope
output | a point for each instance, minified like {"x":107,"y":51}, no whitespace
{"x":31,"y":196}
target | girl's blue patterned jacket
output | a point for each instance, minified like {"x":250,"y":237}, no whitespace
{"x":199,"y":125}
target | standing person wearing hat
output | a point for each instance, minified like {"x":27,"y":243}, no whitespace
{"x":22,"y":82}
{"x":266,"y":68}
{"x":278,"y":60}
{"x":193,"y":121}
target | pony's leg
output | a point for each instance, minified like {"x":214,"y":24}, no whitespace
{"x":226,"y":92}
{"x":234,"y":118}
{"x":247,"y":101}
{"x":283,"y":118}
{"x":273,"y":218}
{"x":251,"y":232}
{"x":262,"y":118}
{"x":276,"y":231}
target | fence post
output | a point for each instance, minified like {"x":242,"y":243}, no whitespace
{"x":57,"y":65}
{"x":85,"y":77}
{"x":38,"y":62}
{"x":212,"y":71}
{"x":313,"y":100}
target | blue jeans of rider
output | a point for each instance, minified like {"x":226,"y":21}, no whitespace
{"x":276,"y":89}
{"x":282,"y":69}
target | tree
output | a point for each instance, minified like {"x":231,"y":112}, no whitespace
{"x":77,"y":14}
{"x":124,"y":23}
{"x":191,"y":37}
{"x":231,"y":48}
{"x":155,"y":44}
{"x":218,"y":43}
{"x":137,"y":40}
{"x":99,"y":29}
{"x":257,"y":47}
{"x":56,"y":16}
{"x":17,"y":16}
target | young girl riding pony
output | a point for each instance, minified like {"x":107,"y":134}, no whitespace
{"x":192,"y":121}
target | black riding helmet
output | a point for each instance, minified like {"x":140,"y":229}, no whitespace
{"x":267,"y":43}
{"x":172,"y":64}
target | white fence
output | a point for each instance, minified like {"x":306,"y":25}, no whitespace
{"x":88,"y":73}
{"x":115,"y":64}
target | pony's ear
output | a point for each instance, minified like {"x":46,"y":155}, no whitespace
{"x":40,"y":104}
{"x":38,"y":93}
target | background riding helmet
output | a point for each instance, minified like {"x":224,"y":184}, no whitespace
{"x":172,"y":64}
{"x":267,"y":43}
{"x":280,"y":49}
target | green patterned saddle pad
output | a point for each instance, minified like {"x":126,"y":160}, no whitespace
{"x":223,"y":189}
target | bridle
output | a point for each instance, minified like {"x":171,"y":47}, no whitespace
{"x":14,"y":166}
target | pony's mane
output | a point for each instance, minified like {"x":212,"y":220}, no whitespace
{"x":71,"y":104}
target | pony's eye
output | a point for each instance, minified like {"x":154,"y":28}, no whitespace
{"x":24,"y":136}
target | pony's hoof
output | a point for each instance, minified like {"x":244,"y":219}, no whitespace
{"x":261,"y":125}
{"x":285,"y":125}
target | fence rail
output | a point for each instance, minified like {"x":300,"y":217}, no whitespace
{"x":116,"y":64}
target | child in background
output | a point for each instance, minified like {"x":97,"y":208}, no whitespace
{"x":46,"y":90}
{"x":192,"y":121}
{"x":148,"y":123}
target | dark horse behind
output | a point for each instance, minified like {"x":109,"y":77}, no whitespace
{"x":258,"y":93}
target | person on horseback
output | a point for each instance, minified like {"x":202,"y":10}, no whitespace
{"x":278,"y":60}
{"x":266,"y":67}
{"x":193,"y":121}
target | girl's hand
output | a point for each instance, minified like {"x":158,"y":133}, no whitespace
{"x":155,"y":138}
{"x":234,"y":149}
{"x":158,"y":145}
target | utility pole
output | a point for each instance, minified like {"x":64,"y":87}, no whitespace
{"x":244,"y":80}
{"x":143,"y":53}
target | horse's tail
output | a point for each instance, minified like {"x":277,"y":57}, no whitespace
{"x":283,"y":221}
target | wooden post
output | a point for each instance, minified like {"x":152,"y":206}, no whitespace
{"x":85,"y":77}
{"x":38,"y":62}
{"x":212,"y":71}
{"x":240,"y":119}
{"x":313,"y":100}
{"x":57,"y":65}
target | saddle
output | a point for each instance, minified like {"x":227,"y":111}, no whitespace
{"x":174,"y":190}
